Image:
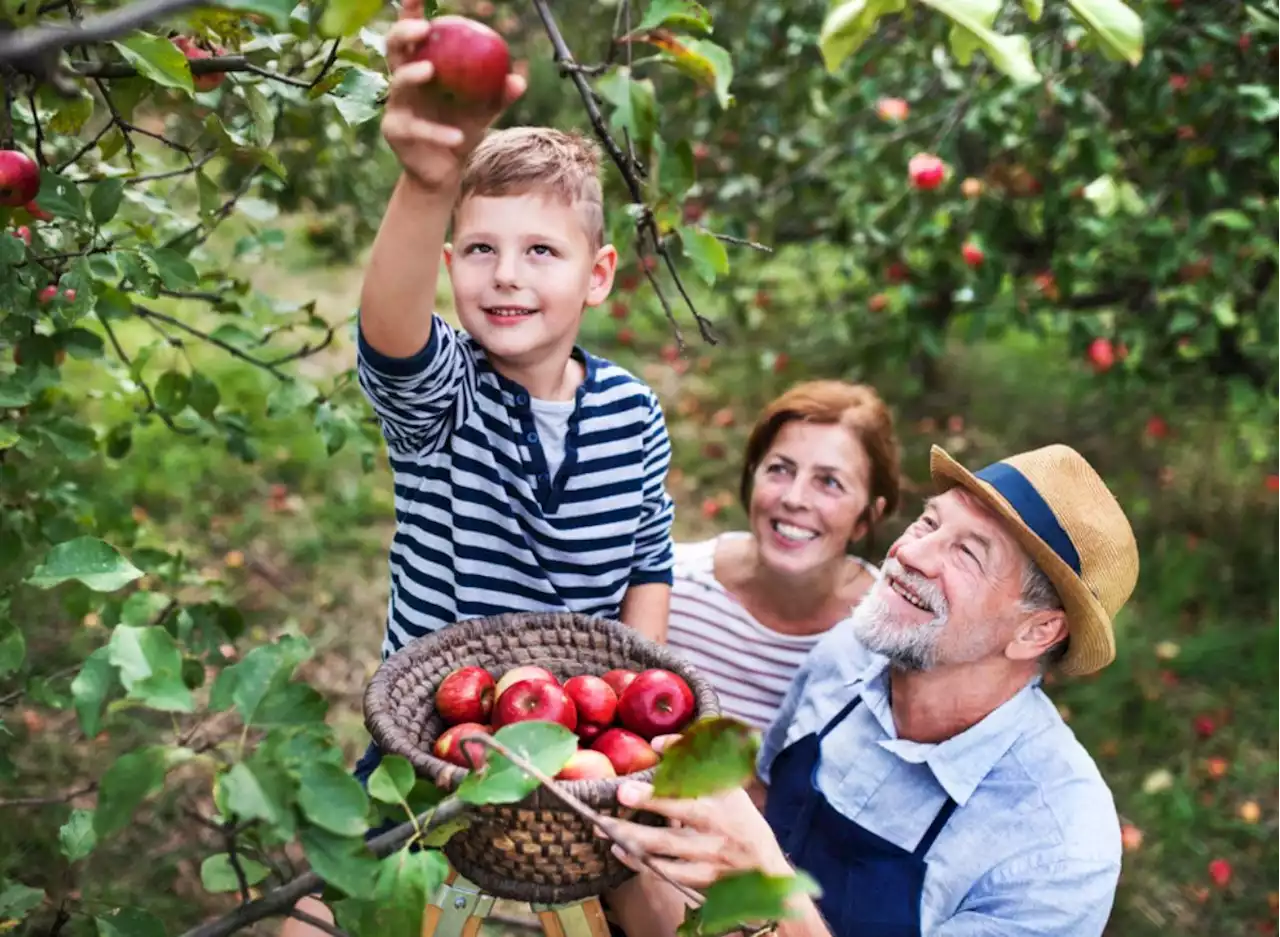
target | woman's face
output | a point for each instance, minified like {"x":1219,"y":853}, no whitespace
{"x":809,"y":496}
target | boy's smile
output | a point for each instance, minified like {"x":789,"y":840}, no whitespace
{"x":523,"y":270}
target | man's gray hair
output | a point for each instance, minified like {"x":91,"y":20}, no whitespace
{"x":1040,"y":595}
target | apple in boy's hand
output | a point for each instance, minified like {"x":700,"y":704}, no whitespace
{"x":626,"y":751}
{"x":619,"y":679}
{"x":530,"y":700}
{"x":594,"y":699}
{"x":516,"y":674}
{"x":587,"y":764}
{"x":471,"y":61}
{"x":466,"y":695}
{"x":657,"y":702}
{"x":449,"y":747}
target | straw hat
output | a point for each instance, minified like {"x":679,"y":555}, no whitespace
{"x":1064,"y":516}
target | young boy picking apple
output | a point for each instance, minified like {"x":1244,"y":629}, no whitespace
{"x":529,"y":474}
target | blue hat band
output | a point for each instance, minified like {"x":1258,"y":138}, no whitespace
{"x":1033,"y":509}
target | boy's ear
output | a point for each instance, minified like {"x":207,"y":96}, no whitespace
{"x":447,"y":253}
{"x":602,"y":271}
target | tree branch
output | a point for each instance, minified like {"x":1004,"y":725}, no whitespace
{"x":36,"y":50}
{"x":646,"y":226}
{"x":279,"y":902}
{"x":46,"y":801}
{"x":152,"y":407}
{"x":143,"y":312}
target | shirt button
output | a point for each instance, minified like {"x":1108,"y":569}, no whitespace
{"x":532,"y":437}
{"x":522,"y":398}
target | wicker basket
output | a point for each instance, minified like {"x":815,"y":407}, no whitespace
{"x":536,"y":850}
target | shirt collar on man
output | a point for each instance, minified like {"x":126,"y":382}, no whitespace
{"x":960,"y":763}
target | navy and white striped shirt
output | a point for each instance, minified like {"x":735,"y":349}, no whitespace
{"x":481,"y":528}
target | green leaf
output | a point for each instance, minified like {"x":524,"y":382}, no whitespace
{"x":963,"y":42}
{"x":289,"y":397}
{"x":17,"y":901}
{"x":635,"y":109}
{"x":331,"y":798}
{"x":247,"y":683}
{"x":406,"y":881}
{"x":356,"y":98}
{"x":174,"y":270}
{"x":13,"y":651}
{"x":263,"y":112}
{"x":157,"y":59}
{"x":848,"y":25}
{"x":712,"y":755}
{"x":90,"y":688}
{"x":705,"y":252}
{"x":208,"y":195}
{"x":1224,"y":312}
{"x":204,"y":397}
{"x":347,"y":17}
{"x":93,"y":562}
{"x":291,"y":704}
{"x":702,"y":60}
{"x":150,"y":666}
{"x":1034,"y":8}
{"x":61,"y":197}
{"x":1102,"y":192}
{"x":546,"y":745}
{"x":171,"y":391}
{"x":76,"y":837}
{"x":244,"y":796}
{"x":74,"y":440}
{"x":277,"y":11}
{"x":1230,"y":218}
{"x":72,"y":114}
{"x":1010,"y":54}
{"x":129,"y":922}
{"x":131,"y":779}
{"x":677,"y":14}
{"x":1117,"y":26}
{"x":342,"y":861}
{"x":82,"y":344}
{"x":104,"y":202}
{"x":8,"y":437}
{"x":676,"y":173}
{"x":217,"y":874}
{"x":233,"y":334}
{"x":392,"y":780}
{"x":746,"y":897}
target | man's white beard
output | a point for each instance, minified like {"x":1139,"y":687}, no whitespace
{"x":905,"y":643}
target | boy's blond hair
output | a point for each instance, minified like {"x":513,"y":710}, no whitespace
{"x":520,"y":160}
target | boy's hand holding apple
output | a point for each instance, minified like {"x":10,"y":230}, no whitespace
{"x":450,"y":79}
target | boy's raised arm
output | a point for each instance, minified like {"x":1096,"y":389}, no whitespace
{"x":398,"y":296}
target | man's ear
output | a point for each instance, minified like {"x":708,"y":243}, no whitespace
{"x":447,"y":253}
{"x":602,"y":272}
{"x":1037,"y":634}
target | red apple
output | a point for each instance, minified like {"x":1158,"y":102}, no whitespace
{"x":535,"y":700}
{"x":1101,"y":355}
{"x":69,"y":295}
{"x":23,"y":233}
{"x":626,"y":751}
{"x":657,"y":702}
{"x":878,"y":303}
{"x":618,"y":679}
{"x":1178,"y":82}
{"x":593,"y":699}
{"x":466,"y":695}
{"x":1157,"y":428}
{"x":619,"y":310}
{"x":926,"y":171}
{"x":516,"y":674}
{"x":471,"y":61}
{"x":972,"y":254}
{"x":48,"y":294}
{"x":19,"y":178}
{"x":188,"y":47}
{"x":449,"y":747}
{"x":896,"y":272}
{"x":586,"y":764}
{"x":894,"y":109}
{"x":626,"y":337}
{"x":1220,"y":872}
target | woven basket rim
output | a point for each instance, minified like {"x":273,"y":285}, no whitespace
{"x":381,"y":723}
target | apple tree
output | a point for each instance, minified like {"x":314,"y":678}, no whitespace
{"x":147,"y":151}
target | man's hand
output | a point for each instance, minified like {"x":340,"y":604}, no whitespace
{"x":712,"y":836}
{"x":430,"y":142}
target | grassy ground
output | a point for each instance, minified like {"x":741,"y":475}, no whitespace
{"x":1183,"y":725}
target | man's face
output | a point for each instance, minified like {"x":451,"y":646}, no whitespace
{"x":951,"y":588}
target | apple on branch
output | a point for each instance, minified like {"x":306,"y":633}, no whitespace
{"x":19,"y":178}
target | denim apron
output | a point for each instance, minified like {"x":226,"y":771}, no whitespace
{"x":870,"y":887}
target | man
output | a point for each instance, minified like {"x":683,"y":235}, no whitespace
{"x":916,"y":769}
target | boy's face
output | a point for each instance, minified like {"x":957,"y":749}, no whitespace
{"x":523,"y":269}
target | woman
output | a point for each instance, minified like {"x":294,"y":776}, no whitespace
{"x":820,"y":472}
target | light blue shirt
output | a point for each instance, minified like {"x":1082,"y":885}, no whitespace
{"x":1033,"y":847}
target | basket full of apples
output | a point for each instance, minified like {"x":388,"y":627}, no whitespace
{"x":615,"y":689}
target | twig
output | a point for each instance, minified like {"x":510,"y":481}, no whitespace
{"x":152,"y":177}
{"x":117,"y":120}
{"x":607,"y":824}
{"x":184,"y":294}
{"x":90,"y":144}
{"x":143,"y":312}
{"x":645,"y":224}
{"x":730,"y":239}
{"x":35,"y":120}
{"x":280,"y":901}
{"x":45,"y":801}
{"x":16,"y":695}
{"x":152,"y":407}
{"x":229,"y":838}
{"x":317,"y":923}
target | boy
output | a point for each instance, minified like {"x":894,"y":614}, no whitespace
{"x":529,"y":474}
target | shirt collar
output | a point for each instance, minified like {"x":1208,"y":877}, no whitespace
{"x":961,"y":762}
